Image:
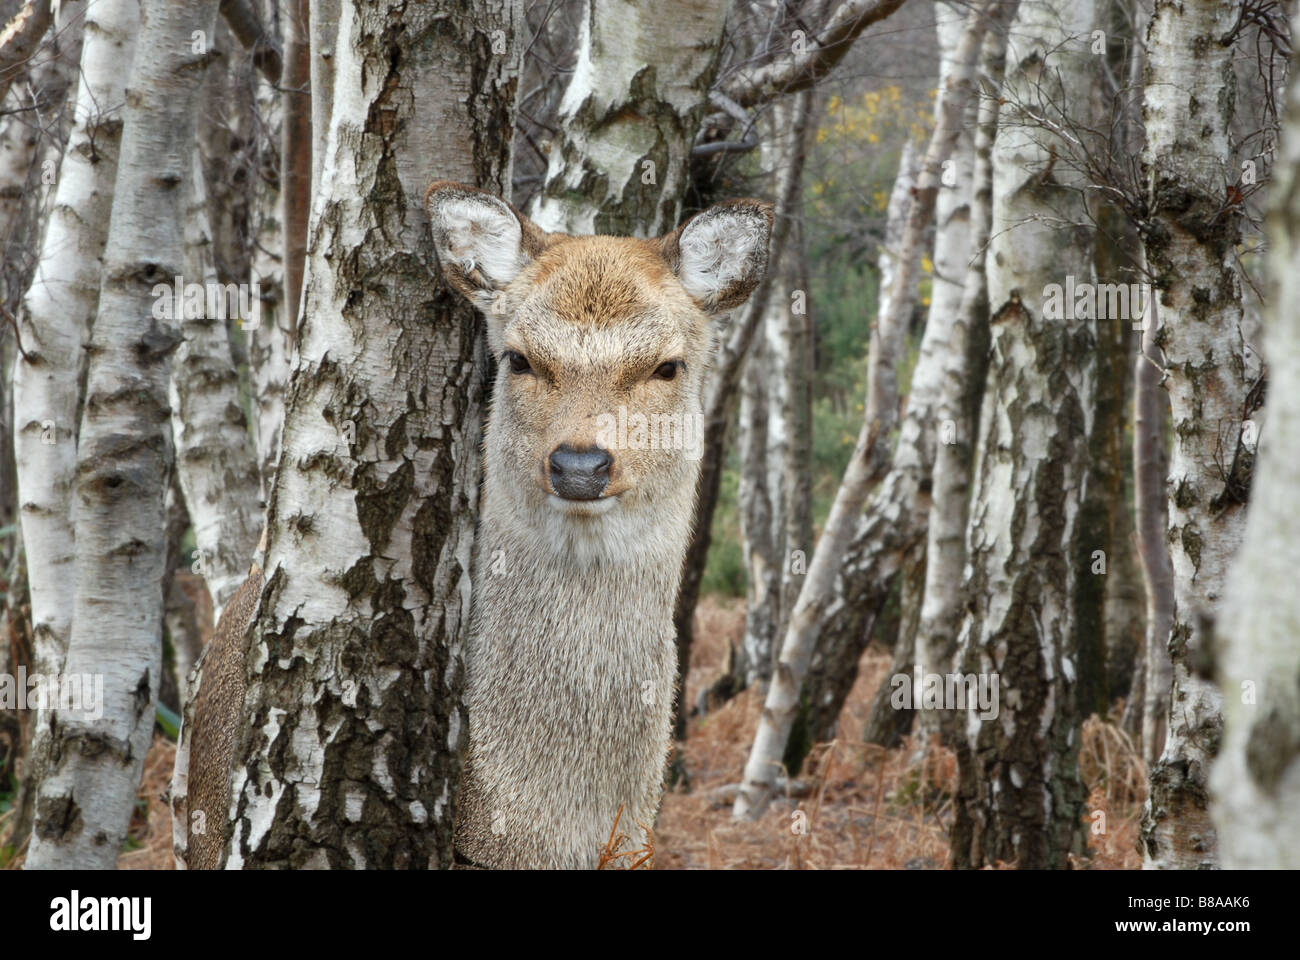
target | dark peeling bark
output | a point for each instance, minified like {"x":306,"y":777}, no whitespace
{"x":349,"y":746}
{"x":1020,"y":798}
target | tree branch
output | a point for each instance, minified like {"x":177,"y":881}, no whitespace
{"x":798,"y":71}
{"x":19,"y":38}
{"x":247,"y":27}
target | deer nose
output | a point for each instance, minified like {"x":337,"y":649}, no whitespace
{"x":579,"y":474}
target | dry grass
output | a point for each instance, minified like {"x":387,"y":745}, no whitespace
{"x":640,"y":858}
{"x":868,"y":808}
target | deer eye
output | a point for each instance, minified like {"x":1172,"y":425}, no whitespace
{"x":667,"y":370}
{"x":518,"y":362}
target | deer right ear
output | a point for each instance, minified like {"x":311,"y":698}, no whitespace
{"x":482,"y":241}
{"x":720,"y":255}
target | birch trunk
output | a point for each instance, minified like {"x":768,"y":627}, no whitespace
{"x":1151,"y":519}
{"x":869,"y":454}
{"x":629,"y":117}
{"x":833,"y":667}
{"x":1189,"y":250}
{"x":355,"y":651}
{"x":270,"y":345}
{"x":41,"y":413}
{"x":1020,"y":798}
{"x":57,"y":314}
{"x":324,"y":29}
{"x":295,"y":151}
{"x":766,"y":401}
{"x":944,"y":332}
{"x":957,"y":408}
{"x":34,"y":126}
{"x":215,"y":461}
{"x":759,"y":502}
{"x":1255,"y":782}
{"x":124,"y":459}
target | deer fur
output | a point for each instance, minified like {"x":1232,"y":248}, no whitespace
{"x":571,"y":663}
{"x":571,"y":660}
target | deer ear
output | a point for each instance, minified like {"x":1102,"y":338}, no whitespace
{"x":482,"y":241}
{"x":720,"y":255}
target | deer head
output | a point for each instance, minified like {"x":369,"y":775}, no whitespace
{"x":601,"y":346}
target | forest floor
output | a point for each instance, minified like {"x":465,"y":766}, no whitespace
{"x":865,"y":809}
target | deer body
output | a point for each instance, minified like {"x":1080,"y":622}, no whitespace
{"x":571,"y":663}
{"x":569,"y":694}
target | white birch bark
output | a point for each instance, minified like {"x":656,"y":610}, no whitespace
{"x":270,"y":345}
{"x":56,"y":318}
{"x":324,"y":28}
{"x":1150,"y":519}
{"x":1189,"y":242}
{"x":869,"y":454}
{"x":1255,"y":782}
{"x":356,"y":649}
{"x":215,"y":460}
{"x":124,"y":460}
{"x":629,"y":117}
{"x":763,"y":439}
{"x":34,"y":126}
{"x":946,"y":329}
{"x":1020,"y":798}
{"x":57,"y":314}
{"x":295,"y":151}
{"x":759,"y":498}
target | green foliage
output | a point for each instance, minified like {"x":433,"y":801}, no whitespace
{"x":724,"y":571}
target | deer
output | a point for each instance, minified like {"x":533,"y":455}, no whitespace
{"x":571,"y":663}
{"x":570,"y":659}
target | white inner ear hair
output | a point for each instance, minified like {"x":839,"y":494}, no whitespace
{"x":485,"y":236}
{"x":717,"y":252}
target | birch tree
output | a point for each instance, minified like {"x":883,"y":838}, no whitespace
{"x":1150,"y":515}
{"x":324,"y":28}
{"x":774,"y":513}
{"x":124,"y":460}
{"x":295,"y":150}
{"x":270,"y":345}
{"x":58,"y":310}
{"x":1255,"y":782}
{"x":869,"y":455}
{"x":833,"y":666}
{"x":355,"y":652}
{"x":31,"y":223}
{"x":1020,"y":797}
{"x":1189,"y":249}
{"x":952,"y":251}
{"x":215,"y":460}
{"x":957,"y":407}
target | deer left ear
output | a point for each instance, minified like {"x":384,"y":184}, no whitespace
{"x":482,"y":241}
{"x":720,"y":255}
